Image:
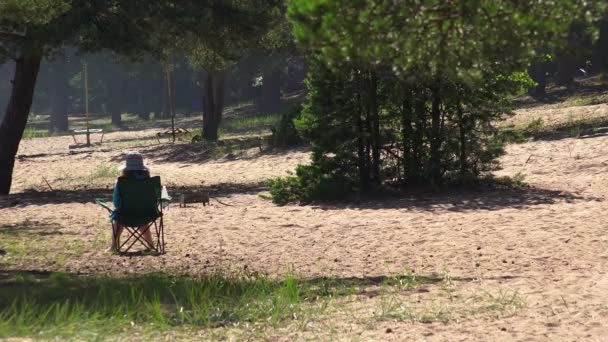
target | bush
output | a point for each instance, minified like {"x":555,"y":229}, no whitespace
{"x":284,"y":133}
{"x":311,"y":182}
{"x":285,"y":190}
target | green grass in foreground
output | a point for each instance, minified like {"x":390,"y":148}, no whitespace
{"x":58,"y":305}
{"x":68,"y":306}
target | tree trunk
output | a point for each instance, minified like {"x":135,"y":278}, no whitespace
{"x":116,"y":97}
{"x":271,"y":90}
{"x":462,"y":130}
{"x":538,"y":72}
{"x":15,"y":120}
{"x":435,"y":157}
{"x":375,"y":116}
{"x":361,"y":157}
{"x":407,"y":134}
{"x":145,"y":83}
{"x":566,"y":70}
{"x":213,"y":103}
{"x":59,"y":95}
{"x":368,"y":132}
{"x":160,"y":93}
{"x":418,"y":145}
{"x":600,"y":50}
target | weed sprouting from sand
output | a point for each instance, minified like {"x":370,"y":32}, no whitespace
{"x":505,"y":302}
{"x":446,"y":280}
{"x":406,"y":281}
{"x":435,"y":313}
{"x":392,"y":308}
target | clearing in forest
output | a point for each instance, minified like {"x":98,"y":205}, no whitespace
{"x":512,"y":263}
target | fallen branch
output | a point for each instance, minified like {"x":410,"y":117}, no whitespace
{"x":47,"y":183}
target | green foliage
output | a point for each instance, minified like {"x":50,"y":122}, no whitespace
{"x":319,"y":181}
{"x":249,"y":125}
{"x":285,"y":190}
{"x":32,"y":133}
{"x":67,"y":306}
{"x":284,"y":133}
{"x":36,"y":12}
{"x":453,"y":37}
{"x":409,"y":93}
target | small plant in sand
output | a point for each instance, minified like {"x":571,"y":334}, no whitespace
{"x":103,"y":172}
{"x":505,"y":303}
{"x":534,"y":127}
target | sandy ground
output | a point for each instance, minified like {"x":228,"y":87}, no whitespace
{"x":553,"y":114}
{"x":546,"y":246}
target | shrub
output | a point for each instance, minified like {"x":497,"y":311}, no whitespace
{"x":311,"y":182}
{"x":284,"y":133}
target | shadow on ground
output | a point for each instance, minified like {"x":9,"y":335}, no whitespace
{"x":462,"y":199}
{"x":554,"y":95}
{"x":583,"y":129}
{"x":452,"y":199}
{"x":55,"y":283}
{"x":225,"y":151}
{"x":88,"y":195}
{"x":34,"y":228}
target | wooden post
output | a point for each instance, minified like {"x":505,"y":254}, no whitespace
{"x":86,"y":102}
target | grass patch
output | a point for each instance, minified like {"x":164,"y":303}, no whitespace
{"x":505,"y":303}
{"x":67,"y":306}
{"x":34,"y":130}
{"x":103,"y":172}
{"x":255,"y":124}
{"x":36,"y":243}
{"x":516,"y":181}
{"x":585,"y":100}
{"x":537,"y":129}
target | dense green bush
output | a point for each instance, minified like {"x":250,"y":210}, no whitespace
{"x":284,"y":133}
{"x":395,"y":100}
{"x":311,"y":182}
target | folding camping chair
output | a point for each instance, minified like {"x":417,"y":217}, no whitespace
{"x":141,"y":205}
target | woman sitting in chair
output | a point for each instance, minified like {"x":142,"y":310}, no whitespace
{"x":134,"y":169}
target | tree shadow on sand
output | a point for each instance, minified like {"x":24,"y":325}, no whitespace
{"x":201,"y":153}
{"x":450,"y":199}
{"x":460,"y":200}
{"x":88,"y":195}
{"x":31,"y":228}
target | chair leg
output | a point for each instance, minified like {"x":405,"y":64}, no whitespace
{"x":138,"y":235}
{"x":162,"y":235}
{"x":158,"y":242}
{"x":115,"y":236}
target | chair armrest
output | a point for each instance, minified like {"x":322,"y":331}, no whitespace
{"x":104,"y":204}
